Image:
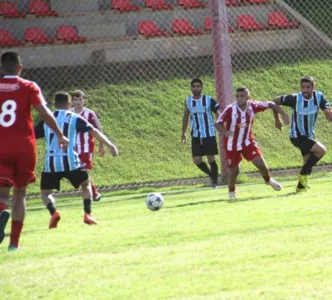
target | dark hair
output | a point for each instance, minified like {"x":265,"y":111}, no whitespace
{"x":61,"y":99}
{"x":10,"y":60}
{"x":308,"y":79}
{"x":242,"y":89}
{"x":196,"y":80}
{"x":78,"y":93}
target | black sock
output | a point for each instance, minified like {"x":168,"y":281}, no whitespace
{"x":51,"y":208}
{"x":300,"y":186}
{"x":307,"y":167}
{"x":203,"y":166}
{"x":87,"y":206}
{"x":214,"y":170}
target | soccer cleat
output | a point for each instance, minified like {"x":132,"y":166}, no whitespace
{"x":301,"y":190}
{"x":304,"y":180}
{"x":97,"y":197}
{"x":12,"y":248}
{"x":275,"y":184}
{"x":232,"y":196}
{"x":4,"y":217}
{"x":54,"y":220}
{"x":214,"y":183}
{"x":89,"y":220}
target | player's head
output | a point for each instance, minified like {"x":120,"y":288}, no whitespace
{"x":11,"y":63}
{"x":196,"y":86}
{"x":307,"y":86}
{"x":78,"y":99}
{"x":62,"y":100}
{"x":242,"y":95}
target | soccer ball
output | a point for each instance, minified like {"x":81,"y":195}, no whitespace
{"x":154,"y":201}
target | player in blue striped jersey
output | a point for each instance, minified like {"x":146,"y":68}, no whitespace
{"x":305,"y":107}
{"x":199,"y":108}
{"x":60,"y":163}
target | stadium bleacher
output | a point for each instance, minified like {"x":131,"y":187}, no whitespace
{"x":49,"y":24}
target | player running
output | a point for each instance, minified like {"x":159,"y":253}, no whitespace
{"x":85,"y":141}
{"x":237,"y":120}
{"x":199,"y":108}
{"x":305,"y":107}
{"x":18,"y":149}
{"x":60,"y":164}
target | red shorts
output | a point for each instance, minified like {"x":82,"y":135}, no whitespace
{"x":249,"y":153}
{"x":17,"y":169}
{"x":86,"y":160}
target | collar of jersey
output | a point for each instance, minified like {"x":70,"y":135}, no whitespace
{"x":10,"y":76}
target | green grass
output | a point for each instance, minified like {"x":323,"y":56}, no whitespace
{"x":267,"y":245}
{"x":144,"y":120}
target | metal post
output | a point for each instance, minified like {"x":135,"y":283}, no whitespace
{"x":222,"y":65}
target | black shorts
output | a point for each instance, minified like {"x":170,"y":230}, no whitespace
{"x":204,"y":146}
{"x":304,"y":143}
{"x":51,"y":181}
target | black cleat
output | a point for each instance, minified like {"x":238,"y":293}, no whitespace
{"x":4,"y":217}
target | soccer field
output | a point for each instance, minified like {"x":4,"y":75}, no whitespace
{"x":267,"y":245}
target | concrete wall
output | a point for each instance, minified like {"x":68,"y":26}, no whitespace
{"x":155,"y":49}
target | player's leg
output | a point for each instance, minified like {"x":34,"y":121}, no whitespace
{"x":18,"y":216}
{"x":50,"y":181}
{"x":24,"y":175}
{"x":86,"y":159}
{"x":233,"y":159}
{"x":80,"y":178}
{"x":4,"y":213}
{"x":211,"y":149}
{"x":260,"y":164}
{"x":6,"y":182}
{"x":198,"y":153}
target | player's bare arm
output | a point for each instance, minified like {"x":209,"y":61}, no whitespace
{"x":185,"y":122}
{"x":101,"y":149}
{"x":221,"y":128}
{"x":102,"y":138}
{"x":277,"y":110}
{"x":328,"y":114}
{"x":46,"y":115}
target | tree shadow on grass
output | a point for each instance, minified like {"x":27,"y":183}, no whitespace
{"x":227,"y":200}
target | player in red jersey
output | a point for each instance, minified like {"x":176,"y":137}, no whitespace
{"x":85,"y":141}
{"x":18,"y":143}
{"x":237,"y":121}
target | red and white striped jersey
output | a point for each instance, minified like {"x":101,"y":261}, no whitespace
{"x":85,"y":142}
{"x":240,"y":123}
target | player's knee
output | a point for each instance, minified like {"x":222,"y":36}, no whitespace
{"x":85,"y":184}
{"x":197,"y":160}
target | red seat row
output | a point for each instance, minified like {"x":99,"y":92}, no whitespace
{"x":38,"y":7}
{"x":275,"y":20}
{"x":245,"y":22}
{"x":126,"y":5}
{"x":36,"y":35}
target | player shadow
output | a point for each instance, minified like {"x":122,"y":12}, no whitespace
{"x":227,"y":200}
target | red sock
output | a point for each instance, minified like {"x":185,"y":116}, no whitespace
{"x":267,"y":179}
{"x":94,"y":191}
{"x":231,"y":188}
{"x":15,"y":233}
{"x":3,"y":206}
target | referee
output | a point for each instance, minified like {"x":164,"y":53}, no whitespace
{"x":200,"y":108}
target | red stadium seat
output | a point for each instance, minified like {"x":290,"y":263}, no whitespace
{"x":184,"y":27}
{"x":248,"y":22}
{"x":192,"y":4}
{"x":41,"y":9}
{"x":9,"y":10}
{"x":69,"y":34}
{"x":232,"y":3}
{"x":208,"y":25}
{"x":158,"y":5}
{"x":278,"y":20}
{"x":150,"y":29}
{"x":124,"y":6}
{"x":36,"y":35}
{"x":7,"y":39}
{"x":256,"y":2}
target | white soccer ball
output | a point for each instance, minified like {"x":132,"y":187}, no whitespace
{"x":154,"y":201}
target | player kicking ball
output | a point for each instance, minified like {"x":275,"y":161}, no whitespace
{"x":61,"y":163}
{"x":236,"y":121}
